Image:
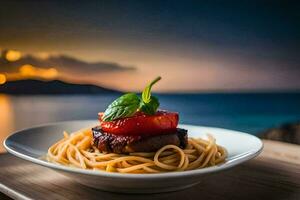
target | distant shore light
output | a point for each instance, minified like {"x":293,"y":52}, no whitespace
{"x":12,"y":55}
{"x":52,"y":72}
{"x":2,"y":79}
{"x":27,"y":70}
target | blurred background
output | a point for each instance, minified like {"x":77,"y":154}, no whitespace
{"x":230,"y":64}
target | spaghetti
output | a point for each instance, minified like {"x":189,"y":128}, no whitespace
{"x":76,"y":150}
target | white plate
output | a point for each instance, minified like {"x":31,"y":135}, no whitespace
{"x":31,"y":144}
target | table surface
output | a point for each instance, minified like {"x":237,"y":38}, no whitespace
{"x":275,"y":174}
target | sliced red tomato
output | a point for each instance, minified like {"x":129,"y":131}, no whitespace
{"x":140,"y":124}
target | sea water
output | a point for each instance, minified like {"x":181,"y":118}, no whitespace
{"x":251,"y":113}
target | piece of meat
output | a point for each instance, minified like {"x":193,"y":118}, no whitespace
{"x":106,"y":142}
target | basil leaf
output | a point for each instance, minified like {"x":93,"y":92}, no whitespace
{"x":146,"y":95}
{"x":124,"y":106}
{"x":128,"y":104}
{"x":151,"y":107}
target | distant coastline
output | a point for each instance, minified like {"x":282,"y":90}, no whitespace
{"x":54,"y":87}
{"x":233,"y":91}
{"x":57,"y":87}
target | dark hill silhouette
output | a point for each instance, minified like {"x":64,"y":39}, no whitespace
{"x":51,"y":87}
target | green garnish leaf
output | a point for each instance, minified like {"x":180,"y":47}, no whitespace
{"x":128,"y":104}
{"x":151,"y":107}
{"x":124,"y":106}
{"x":146,"y":95}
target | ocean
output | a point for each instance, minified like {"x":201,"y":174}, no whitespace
{"x":250,"y":113}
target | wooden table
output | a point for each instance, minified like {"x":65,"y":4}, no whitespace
{"x":275,"y":174}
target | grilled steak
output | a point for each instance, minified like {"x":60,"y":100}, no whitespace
{"x":106,"y":142}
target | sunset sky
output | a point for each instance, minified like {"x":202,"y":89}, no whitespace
{"x":193,"y":45}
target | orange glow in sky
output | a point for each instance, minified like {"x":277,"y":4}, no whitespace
{"x":31,"y":71}
{"x":13,"y":55}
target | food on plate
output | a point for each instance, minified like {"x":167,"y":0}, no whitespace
{"x":134,"y":136}
{"x":107,"y":142}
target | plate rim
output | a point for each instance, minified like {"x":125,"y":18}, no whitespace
{"x":231,"y":163}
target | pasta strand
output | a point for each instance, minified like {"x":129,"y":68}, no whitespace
{"x":76,"y":150}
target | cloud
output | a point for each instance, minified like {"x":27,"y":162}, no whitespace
{"x":62,"y":63}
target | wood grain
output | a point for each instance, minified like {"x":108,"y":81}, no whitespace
{"x":275,"y":174}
